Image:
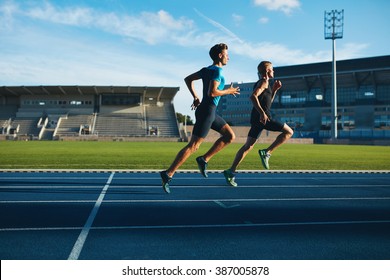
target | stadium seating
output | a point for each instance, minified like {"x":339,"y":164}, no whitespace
{"x":160,"y":117}
{"x":71,"y":124}
{"x":116,"y":113}
{"x":148,"y":121}
{"x":120,"y":124}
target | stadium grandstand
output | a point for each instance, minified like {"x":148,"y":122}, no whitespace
{"x":118,"y":113}
{"x":126,"y":113}
{"x":304,"y":101}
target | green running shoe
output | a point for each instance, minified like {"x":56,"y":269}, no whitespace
{"x":165,"y":181}
{"x":202,"y":164}
{"x":264,"y":156}
{"x":229,"y":176}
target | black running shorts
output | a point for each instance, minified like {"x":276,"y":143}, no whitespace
{"x":206,"y":118}
{"x":257,"y":127}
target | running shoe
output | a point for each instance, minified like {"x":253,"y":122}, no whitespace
{"x":229,"y":176}
{"x":202,"y":164}
{"x":165,"y":181}
{"x":264,"y":156}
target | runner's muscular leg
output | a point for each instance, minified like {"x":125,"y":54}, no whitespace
{"x":242,"y":152}
{"x":227,"y":137}
{"x":286,"y":134}
{"x":184,"y":154}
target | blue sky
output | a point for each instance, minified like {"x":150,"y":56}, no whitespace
{"x":159,"y":42}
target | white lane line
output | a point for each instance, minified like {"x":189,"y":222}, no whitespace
{"x":244,"y":199}
{"x":225,"y":206}
{"x":40,"y":229}
{"x":251,"y":225}
{"x":188,"y":171}
{"x":78,"y":246}
{"x":46,"y":201}
{"x":79,"y":188}
{"x":245,"y":224}
{"x":198,"y":200}
{"x":36,"y":178}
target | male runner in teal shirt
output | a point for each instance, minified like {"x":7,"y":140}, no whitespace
{"x":206,"y":117}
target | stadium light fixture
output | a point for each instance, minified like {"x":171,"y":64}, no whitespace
{"x":333,"y":29}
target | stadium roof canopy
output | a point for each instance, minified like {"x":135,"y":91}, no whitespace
{"x":351,"y":65}
{"x":148,"y":92}
{"x":353,"y":72}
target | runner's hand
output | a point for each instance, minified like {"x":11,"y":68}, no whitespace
{"x":234,"y":90}
{"x":195,"y":104}
{"x":264,"y":118}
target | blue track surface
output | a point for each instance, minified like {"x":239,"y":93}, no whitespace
{"x":126,"y":215}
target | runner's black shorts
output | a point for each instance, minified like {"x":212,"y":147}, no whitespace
{"x":206,"y":118}
{"x":257,"y":127}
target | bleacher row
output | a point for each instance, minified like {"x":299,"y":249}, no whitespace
{"x":147,"y":121}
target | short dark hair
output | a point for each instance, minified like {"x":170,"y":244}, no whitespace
{"x":261,"y":68}
{"x":216,"y":50}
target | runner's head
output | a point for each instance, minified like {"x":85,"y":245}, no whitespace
{"x":265,"y":69}
{"x":219,"y":53}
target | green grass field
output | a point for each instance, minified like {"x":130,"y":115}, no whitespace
{"x":159,"y":155}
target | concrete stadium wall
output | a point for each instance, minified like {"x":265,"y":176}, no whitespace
{"x":371,"y":142}
{"x":242,"y":133}
{"x":118,"y":138}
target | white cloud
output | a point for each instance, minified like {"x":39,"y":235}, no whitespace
{"x":281,"y":55}
{"x":237,"y":18}
{"x":286,"y":6}
{"x":350,"y":50}
{"x":147,"y":26}
{"x":49,"y":57}
{"x":152,"y":28}
{"x":231,"y":35}
{"x":6,"y":15}
{"x":161,"y":27}
{"x":263,"y":20}
{"x":278,"y":53}
{"x":77,"y":16}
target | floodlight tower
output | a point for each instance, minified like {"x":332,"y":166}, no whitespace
{"x":334,"y":23}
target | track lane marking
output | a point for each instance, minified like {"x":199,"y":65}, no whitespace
{"x":245,"y":224}
{"x":78,"y":246}
{"x":225,"y":206}
{"x":200,"y":200}
{"x":4,"y":188}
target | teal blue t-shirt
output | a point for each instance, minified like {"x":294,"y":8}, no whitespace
{"x":208,"y":74}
